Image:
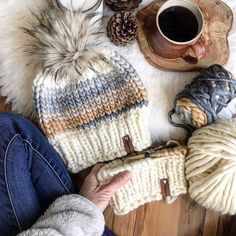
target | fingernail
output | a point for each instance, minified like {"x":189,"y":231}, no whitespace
{"x":127,"y":174}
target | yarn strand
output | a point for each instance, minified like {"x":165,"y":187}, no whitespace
{"x":189,"y":128}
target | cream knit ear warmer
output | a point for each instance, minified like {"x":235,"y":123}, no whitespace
{"x":87,"y":97}
{"x":160,"y":176}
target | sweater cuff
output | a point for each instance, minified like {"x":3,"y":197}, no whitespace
{"x":70,"y":215}
{"x":87,"y":201}
{"x":76,"y":202}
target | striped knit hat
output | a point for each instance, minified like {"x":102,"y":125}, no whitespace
{"x":89,"y":99}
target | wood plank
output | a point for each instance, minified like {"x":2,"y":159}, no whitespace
{"x":121,"y":225}
{"x":227,"y":226}
{"x":158,"y":221}
{"x":183,"y":218}
{"x":3,"y":106}
{"x":192,"y":218}
{"x":211,"y":223}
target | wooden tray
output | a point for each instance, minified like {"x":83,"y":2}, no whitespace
{"x":218,"y":22}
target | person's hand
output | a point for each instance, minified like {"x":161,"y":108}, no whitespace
{"x":100,"y":195}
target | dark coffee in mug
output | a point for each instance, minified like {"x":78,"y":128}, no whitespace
{"x":178,"y":24}
{"x":179,"y":31}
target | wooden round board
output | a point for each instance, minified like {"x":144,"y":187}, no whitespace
{"x":218,"y":22}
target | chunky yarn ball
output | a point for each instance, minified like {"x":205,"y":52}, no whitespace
{"x":211,"y":167}
{"x":200,"y":102}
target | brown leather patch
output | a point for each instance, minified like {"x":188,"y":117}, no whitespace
{"x":128,"y":144}
{"x":165,"y":188}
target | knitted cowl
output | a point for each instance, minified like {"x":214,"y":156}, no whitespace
{"x":87,"y":97}
{"x":147,"y":176}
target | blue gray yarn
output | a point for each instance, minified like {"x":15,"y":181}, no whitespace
{"x":86,"y":90}
{"x":113,"y":115}
{"x":209,"y":92}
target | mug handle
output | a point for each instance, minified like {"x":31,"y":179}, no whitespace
{"x":199,"y":49}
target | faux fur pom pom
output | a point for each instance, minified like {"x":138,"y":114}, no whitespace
{"x":42,"y":35}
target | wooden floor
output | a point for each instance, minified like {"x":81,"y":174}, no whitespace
{"x":182,"y":218}
{"x":3,"y":106}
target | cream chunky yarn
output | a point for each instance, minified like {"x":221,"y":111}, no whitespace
{"x":147,"y":174}
{"x":211,"y":167}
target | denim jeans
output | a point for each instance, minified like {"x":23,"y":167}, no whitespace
{"x":32,"y":175}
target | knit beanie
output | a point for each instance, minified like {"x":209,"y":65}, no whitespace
{"x":89,"y":100}
{"x":156,"y":175}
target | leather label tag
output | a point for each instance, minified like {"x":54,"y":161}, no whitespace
{"x":165,"y":188}
{"x":128,"y":144}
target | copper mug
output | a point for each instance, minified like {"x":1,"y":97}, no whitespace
{"x":171,"y":49}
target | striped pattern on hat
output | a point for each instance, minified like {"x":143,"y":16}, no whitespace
{"x":86,"y":118}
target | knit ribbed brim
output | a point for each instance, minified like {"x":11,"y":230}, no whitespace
{"x":83,"y":148}
{"x":145,"y":185}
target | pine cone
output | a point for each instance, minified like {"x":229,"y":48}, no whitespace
{"x":122,"y":28}
{"x":120,"y":5}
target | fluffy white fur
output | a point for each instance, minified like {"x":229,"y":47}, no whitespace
{"x":42,"y":35}
{"x":162,"y":86}
{"x":16,"y":68}
{"x":69,"y":215}
{"x":62,"y":39}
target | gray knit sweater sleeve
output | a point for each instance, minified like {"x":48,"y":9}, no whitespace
{"x":70,"y":215}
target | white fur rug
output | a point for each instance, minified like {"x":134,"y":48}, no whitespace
{"x":162,"y":86}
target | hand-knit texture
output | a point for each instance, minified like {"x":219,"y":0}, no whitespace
{"x":211,"y":167}
{"x":200,"y":102}
{"x":146,"y":176}
{"x":87,"y":97}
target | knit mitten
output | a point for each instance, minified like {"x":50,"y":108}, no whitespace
{"x":88,"y":98}
{"x":156,"y":177}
